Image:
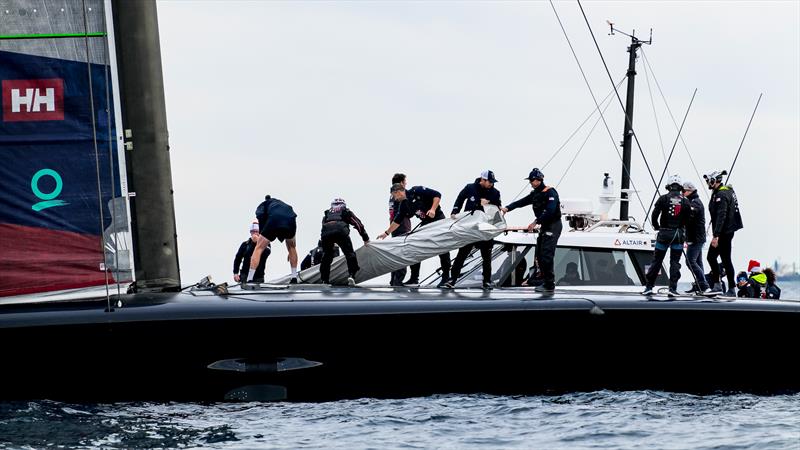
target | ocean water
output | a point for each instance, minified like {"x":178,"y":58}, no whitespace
{"x":604,"y":419}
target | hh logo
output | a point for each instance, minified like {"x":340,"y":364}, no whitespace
{"x":33,"y":100}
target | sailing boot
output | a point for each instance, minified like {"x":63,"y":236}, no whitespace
{"x":692,"y":290}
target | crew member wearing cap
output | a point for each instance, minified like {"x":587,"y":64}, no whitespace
{"x":241,"y":262}
{"x":400,"y":214}
{"x":695,"y":238}
{"x":336,"y":223}
{"x":547,"y":209}
{"x":669,"y":218}
{"x":756,"y":282}
{"x":276,"y":220}
{"x":423,"y":203}
{"x":725,"y":221}
{"x":476,"y":195}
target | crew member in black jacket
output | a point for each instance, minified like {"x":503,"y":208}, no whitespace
{"x":725,"y":221}
{"x":547,"y":209}
{"x":695,"y":238}
{"x":276,"y":220}
{"x":669,"y":218}
{"x":423,"y":203}
{"x":476,"y":195}
{"x":336,"y":223}
{"x":241,"y":263}
{"x":399,"y":213}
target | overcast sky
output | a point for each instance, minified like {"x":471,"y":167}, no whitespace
{"x":308,"y":101}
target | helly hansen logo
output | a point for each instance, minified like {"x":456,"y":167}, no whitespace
{"x":33,"y":100}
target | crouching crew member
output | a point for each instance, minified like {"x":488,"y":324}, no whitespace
{"x":476,"y":195}
{"x":336,"y":223}
{"x":424,"y":204}
{"x":673,"y":209}
{"x":276,"y":220}
{"x":547,"y":209}
{"x":725,"y":221}
{"x":241,"y":263}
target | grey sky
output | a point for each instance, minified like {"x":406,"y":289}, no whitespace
{"x":312,"y":100}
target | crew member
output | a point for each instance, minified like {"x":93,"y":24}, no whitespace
{"x":423,"y":203}
{"x":476,"y":195}
{"x":336,"y":223}
{"x":695,"y":238}
{"x":399,"y":213}
{"x":669,"y":218}
{"x":241,"y":262}
{"x":725,"y":221}
{"x":276,"y":220}
{"x":757,"y":281}
{"x":547,"y":209}
{"x":314,"y":256}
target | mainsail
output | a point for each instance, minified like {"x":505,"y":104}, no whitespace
{"x":63,"y":196}
{"x":381,"y":257}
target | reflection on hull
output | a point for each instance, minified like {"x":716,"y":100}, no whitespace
{"x":355,"y":343}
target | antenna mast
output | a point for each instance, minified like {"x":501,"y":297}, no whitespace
{"x":627,"y":133}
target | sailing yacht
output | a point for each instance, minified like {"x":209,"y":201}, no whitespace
{"x":86,"y":204}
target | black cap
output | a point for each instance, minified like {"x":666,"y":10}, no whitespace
{"x":535,"y":174}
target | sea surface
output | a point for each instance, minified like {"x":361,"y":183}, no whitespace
{"x":602,"y":419}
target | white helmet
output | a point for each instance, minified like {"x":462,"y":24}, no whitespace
{"x":689,"y":186}
{"x":715,"y":176}
{"x":674,"y":179}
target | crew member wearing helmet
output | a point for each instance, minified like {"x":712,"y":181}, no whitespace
{"x":695,"y":238}
{"x":725,"y":221}
{"x":241,"y":262}
{"x":669,"y":218}
{"x":423,"y":203}
{"x":336,"y":223}
{"x":476,"y":195}
{"x":547,"y":209}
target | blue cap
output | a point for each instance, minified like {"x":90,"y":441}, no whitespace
{"x":535,"y":174}
{"x":488,"y":175}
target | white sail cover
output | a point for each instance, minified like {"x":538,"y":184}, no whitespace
{"x":380,"y":257}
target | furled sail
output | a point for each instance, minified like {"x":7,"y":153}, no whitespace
{"x":63,"y":200}
{"x":381,"y":257}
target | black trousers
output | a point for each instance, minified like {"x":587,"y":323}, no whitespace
{"x":545,"y":251}
{"x":722,"y":251}
{"x":342,"y":239}
{"x":486,"y":254}
{"x":676,"y":251}
{"x":444,"y":263}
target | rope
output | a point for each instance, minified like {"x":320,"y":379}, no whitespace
{"x":675,"y":122}
{"x":655,"y":116}
{"x":586,"y":80}
{"x":743,"y":137}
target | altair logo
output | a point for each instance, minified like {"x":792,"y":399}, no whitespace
{"x":629,"y":242}
{"x":33,"y":100}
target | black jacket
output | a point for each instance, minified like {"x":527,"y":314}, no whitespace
{"x":314,"y":257}
{"x":400,"y":213}
{"x":545,"y":203}
{"x":273,"y":213}
{"x":241,"y":262}
{"x":724,"y":210}
{"x":421,"y":200}
{"x":696,"y":228}
{"x":333,"y":220}
{"x":472,"y":194}
{"x":671,"y":211}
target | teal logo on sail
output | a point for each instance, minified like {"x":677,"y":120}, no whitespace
{"x":48,"y":200}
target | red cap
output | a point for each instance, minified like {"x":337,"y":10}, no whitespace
{"x":754,"y":266}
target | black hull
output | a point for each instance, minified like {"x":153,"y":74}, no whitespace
{"x":392,"y":344}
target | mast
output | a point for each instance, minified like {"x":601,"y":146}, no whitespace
{"x":627,"y":133}
{"x":144,"y":119}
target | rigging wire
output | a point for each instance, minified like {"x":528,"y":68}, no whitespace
{"x":594,"y":98}
{"x":580,"y":149}
{"x":674,"y":122}
{"x":96,"y":151}
{"x":627,"y":119}
{"x":743,"y":137}
{"x":666,"y":164}
{"x":655,"y":116}
{"x":526,"y":185}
